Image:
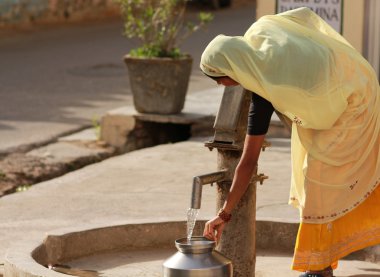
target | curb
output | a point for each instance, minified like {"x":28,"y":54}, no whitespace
{"x":32,"y":258}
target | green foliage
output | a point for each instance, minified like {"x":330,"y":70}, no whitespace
{"x":160,"y":25}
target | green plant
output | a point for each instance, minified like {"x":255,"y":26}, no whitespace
{"x":160,"y":25}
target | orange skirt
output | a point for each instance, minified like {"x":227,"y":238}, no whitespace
{"x":321,"y":245}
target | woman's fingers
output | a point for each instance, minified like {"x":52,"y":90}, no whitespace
{"x":206,"y":232}
{"x":213,"y":229}
{"x":209,"y":231}
{"x":219,"y":232}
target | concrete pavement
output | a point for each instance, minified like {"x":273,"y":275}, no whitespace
{"x":147,"y":186}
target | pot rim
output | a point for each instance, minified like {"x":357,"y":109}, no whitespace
{"x":197,"y":244}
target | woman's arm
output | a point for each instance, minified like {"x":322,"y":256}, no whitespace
{"x":259,"y":116}
{"x":243,"y":173}
{"x":244,"y":170}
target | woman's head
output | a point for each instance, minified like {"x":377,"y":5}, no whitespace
{"x":213,"y":60}
{"x":225,"y":81}
{"x":222,"y":57}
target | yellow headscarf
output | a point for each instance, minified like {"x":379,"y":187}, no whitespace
{"x":314,"y":77}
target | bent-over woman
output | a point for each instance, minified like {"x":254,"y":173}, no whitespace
{"x":296,"y":64}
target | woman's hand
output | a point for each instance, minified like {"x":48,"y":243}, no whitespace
{"x":214,"y":229}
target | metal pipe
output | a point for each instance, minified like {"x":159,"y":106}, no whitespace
{"x":199,"y":181}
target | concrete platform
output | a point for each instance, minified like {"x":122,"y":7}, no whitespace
{"x":135,"y":261}
{"x":140,"y":249}
{"x":144,"y":186}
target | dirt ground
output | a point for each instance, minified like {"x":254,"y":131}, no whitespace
{"x":19,"y":171}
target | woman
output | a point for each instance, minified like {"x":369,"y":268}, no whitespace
{"x":297,"y":64}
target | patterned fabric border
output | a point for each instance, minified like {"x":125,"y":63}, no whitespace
{"x":337,"y":251}
{"x":343,"y":212}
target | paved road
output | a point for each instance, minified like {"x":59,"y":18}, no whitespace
{"x":56,"y":80}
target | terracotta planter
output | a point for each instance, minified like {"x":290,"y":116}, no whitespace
{"x":159,"y":85}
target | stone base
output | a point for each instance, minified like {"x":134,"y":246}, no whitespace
{"x":128,"y":130}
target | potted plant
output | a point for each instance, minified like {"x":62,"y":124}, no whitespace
{"x":158,"y":71}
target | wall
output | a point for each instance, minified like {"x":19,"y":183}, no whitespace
{"x":26,"y":11}
{"x":353,"y":23}
{"x":372,"y":34}
{"x":353,"y":19}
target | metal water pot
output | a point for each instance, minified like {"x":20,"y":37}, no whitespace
{"x":197,"y":259}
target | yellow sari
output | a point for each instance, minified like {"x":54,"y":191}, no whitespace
{"x":314,"y":77}
{"x":321,"y":245}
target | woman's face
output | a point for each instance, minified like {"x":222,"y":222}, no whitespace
{"x":227,"y":82}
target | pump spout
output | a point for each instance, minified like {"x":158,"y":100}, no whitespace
{"x":199,"y":181}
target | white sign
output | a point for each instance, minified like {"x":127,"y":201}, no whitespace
{"x":329,"y":10}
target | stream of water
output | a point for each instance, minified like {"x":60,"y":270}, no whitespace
{"x":191,"y":219}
